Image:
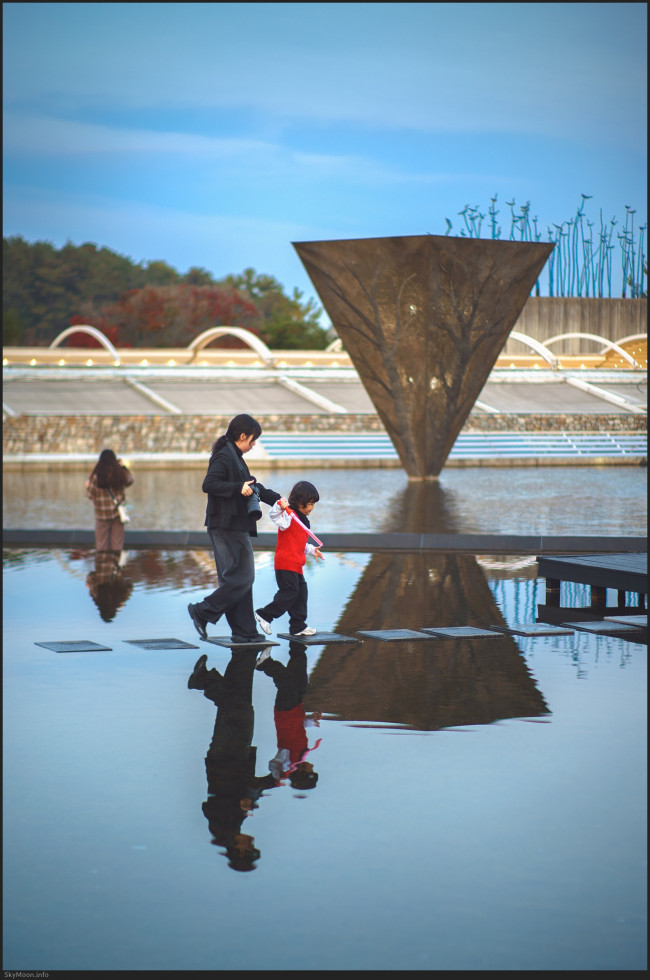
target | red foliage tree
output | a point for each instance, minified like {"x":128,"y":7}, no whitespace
{"x":171,"y":316}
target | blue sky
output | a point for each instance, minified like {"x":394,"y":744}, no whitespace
{"x":215,"y":134}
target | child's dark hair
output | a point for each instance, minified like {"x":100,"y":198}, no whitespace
{"x":303,"y":493}
{"x":303,"y":780}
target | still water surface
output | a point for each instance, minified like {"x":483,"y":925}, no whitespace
{"x":480,"y":804}
{"x":485,"y":500}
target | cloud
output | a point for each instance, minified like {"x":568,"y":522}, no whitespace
{"x":43,"y":137}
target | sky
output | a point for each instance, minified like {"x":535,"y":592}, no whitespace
{"x":216,"y":134}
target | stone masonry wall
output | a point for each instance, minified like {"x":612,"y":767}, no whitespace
{"x":196,"y":433}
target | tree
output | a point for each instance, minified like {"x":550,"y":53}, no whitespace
{"x":172,"y":316}
{"x":47,"y":289}
{"x":284,"y":323}
{"x":12,"y":328}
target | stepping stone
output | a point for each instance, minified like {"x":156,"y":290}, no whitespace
{"x":536,"y":629}
{"x":72,"y":646}
{"x":606,"y":629}
{"x":226,"y":641}
{"x":165,"y":644}
{"x":640,"y":620}
{"x":321,"y":638}
{"x":395,"y":634}
{"x":446,"y":632}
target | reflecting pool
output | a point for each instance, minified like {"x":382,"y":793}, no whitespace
{"x":483,"y":500}
{"x":476,"y":803}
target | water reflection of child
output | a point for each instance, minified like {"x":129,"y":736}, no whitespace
{"x":233,"y":788}
{"x":108,"y":585}
{"x":291,"y":547}
{"x":290,"y":718}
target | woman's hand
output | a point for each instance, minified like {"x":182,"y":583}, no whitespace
{"x":247,"y":489}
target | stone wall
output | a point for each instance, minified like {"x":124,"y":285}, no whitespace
{"x":196,"y":433}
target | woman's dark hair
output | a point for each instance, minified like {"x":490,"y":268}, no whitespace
{"x":108,"y":472}
{"x":303,"y":493}
{"x":241,"y":425}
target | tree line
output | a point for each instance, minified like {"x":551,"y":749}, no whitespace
{"x":145,"y":304}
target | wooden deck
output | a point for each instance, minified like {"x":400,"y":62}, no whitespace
{"x":625,"y":573}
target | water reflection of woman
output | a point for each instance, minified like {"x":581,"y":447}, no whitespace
{"x":233,"y":787}
{"x":108,"y":586}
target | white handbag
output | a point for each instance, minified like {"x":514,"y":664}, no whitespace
{"x":122,"y":511}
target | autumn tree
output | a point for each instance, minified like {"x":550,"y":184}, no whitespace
{"x":284,"y":322}
{"x":46,"y":289}
{"x":171,"y":316}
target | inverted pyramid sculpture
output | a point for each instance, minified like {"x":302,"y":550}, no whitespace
{"x":423,"y":318}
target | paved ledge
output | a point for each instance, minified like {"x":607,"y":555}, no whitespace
{"x":482,"y":544}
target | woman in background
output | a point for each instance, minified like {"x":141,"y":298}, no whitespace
{"x":105,"y":486}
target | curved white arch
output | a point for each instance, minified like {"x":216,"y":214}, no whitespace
{"x":92,"y":332}
{"x":336,"y":347}
{"x":249,"y":338}
{"x":609,"y":344}
{"x":534,"y":345}
{"x":632,"y":336}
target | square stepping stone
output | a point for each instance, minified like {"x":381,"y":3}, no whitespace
{"x":72,"y":646}
{"x":321,"y":638}
{"x":226,"y":641}
{"x":168,"y":643}
{"x":605,"y":628}
{"x":447,"y":632}
{"x":636,"y":620}
{"x":536,"y":629}
{"x":395,"y":634}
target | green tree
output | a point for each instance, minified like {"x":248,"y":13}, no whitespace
{"x":284,"y":322}
{"x":12,"y":328}
{"x":46,"y":289}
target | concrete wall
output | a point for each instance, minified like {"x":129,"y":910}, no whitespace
{"x":543,"y":317}
{"x":197,"y":433}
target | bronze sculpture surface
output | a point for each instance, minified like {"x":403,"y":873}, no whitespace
{"x":423,"y":318}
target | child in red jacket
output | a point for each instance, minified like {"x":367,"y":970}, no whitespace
{"x":290,"y":550}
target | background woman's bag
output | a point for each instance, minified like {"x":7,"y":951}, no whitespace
{"x":122,"y":511}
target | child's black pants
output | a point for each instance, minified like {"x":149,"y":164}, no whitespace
{"x":291,"y":598}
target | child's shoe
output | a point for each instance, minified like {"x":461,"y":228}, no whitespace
{"x":308,"y":631}
{"x":263,"y":624}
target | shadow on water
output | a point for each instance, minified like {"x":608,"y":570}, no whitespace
{"x":423,"y":684}
{"x":234,"y":789}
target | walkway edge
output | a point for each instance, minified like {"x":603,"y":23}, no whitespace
{"x":496,"y":544}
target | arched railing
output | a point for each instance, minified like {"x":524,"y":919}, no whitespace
{"x":609,"y":344}
{"x":336,"y":347}
{"x":92,"y":332}
{"x":249,"y":338}
{"x":534,"y":345}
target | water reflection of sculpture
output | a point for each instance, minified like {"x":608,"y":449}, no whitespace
{"x":423,"y":684}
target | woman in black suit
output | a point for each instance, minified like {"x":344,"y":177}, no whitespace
{"x":231,"y":515}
